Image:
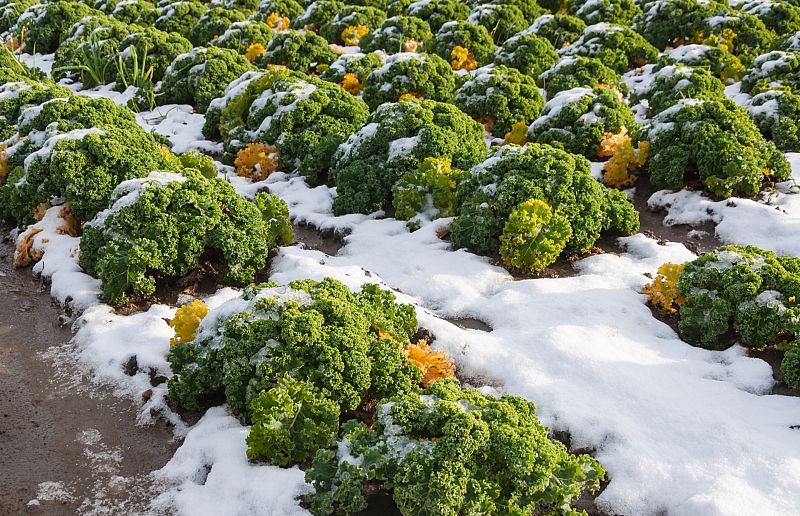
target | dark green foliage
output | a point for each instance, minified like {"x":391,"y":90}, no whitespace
{"x":790,"y":367}
{"x":359,"y":64}
{"x":621,"y":218}
{"x":578,"y":72}
{"x":501,"y":20}
{"x":308,"y":119}
{"x":275,"y":212}
{"x":452,"y":451}
{"x":773,"y":70}
{"x":577,"y":119}
{"x":83,"y":166}
{"x":394,"y":140}
{"x":747,"y":289}
{"x":160,"y":47}
{"x":514,"y":174}
{"x":285,"y":8}
{"x":554,"y":6}
{"x":394,"y":33}
{"x":438,"y":12}
{"x":777,"y":115}
{"x":141,"y":12}
{"x":530,"y":8}
{"x":319,"y":332}
{"x":376,"y":4}
{"x":93,"y":41}
{"x":665,"y":22}
{"x":214,"y":22}
{"x":617,"y":47}
{"x":180,"y":17}
{"x":791,"y":42}
{"x":164,"y":231}
{"x":426,"y":76}
{"x":778,"y":16}
{"x":752,"y":37}
{"x":18,"y":92}
{"x":11,"y":11}
{"x":475,"y":38}
{"x":291,"y":422}
{"x":83,"y":147}
{"x":46,"y":24}
{"x":297,"y":50}
{"x":240,"y":35}
{"x":719,"y":141}
{"x":528,"y":53}
{"x":349,"y":16}
{"x":499,"y":97}
{"x":603,"y":11}
{"x":200,"y":76}
{"x":721,"y":63}
{"x":559,"y":29}
{"x":671,"y":83}
{"x":317,"y":14}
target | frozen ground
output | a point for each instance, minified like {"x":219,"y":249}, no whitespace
{"x":679,"y":429}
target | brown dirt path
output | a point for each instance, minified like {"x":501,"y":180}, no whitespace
{"x":71,"y":450}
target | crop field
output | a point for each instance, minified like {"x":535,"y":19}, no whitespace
{"x":395,"y":257}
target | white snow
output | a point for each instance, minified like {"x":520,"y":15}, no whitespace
{"x":211,"y":475}
{"x":771,"y":222}
{"x":680,"y":430}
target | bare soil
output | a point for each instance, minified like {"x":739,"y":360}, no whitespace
{"x":66,"y":446}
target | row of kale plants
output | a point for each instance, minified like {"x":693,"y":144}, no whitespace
{"x":394,"y":104}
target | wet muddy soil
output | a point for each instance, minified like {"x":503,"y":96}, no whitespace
{"x":66,"y":446}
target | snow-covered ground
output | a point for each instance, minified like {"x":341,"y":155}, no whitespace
{"x":678,"y":428}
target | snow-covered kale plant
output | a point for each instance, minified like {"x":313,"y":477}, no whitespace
{"x":397,"y":34}
{"x":464,"y":45}
{"x":166,"y":224}
{"x":580,"y":119}
{"x":777,"y":115}
{"x":671,"y":83}
{"x":579,"y":72}
{"x":501,"y":20}
{"x":409,"y":75}
{"x":773,"y":70}
{"x":715,"y":142}
{"x":721,"y":63}
{"x":448,"y":450}
{"x":609,"y":11}
{"x":393,"y":142}
{"x":299,"y":50}
{"x":559,"y":29}
{"x":78,"y":149}
{"x":304,"y":117}
{"x":292,"y":359}
{"x":750,"y":291}
{"x":572,"y":211}
{"x":199,"y":76}
{"x":616,"y":46}
{"x":180,"y":17}
{"x":528,"y":53}
{"x":244,"y":36}
{"x":438,"y":12}
{"x":348,"y":17}
{"x":499,"y":97}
